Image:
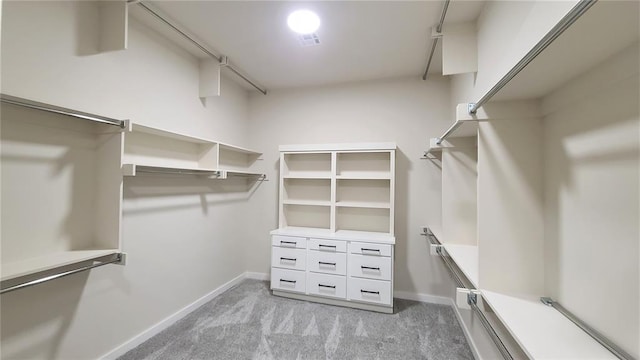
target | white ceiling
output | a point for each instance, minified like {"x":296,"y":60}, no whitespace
{"x":360,"y":40}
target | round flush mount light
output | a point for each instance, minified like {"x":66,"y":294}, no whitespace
{"x":303,"y":21}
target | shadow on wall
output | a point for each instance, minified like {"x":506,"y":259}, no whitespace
{"x":401,"y":205}
{"x":205,"y":192}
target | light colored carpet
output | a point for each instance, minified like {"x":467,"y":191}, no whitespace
{"x":247,"y":322}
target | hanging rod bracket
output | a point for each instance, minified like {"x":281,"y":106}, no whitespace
{"x":435,"y":33}
{"x":224,"y":61}
{"x":121,"y":259}
{"x":472,"y":298}
{"x":471,"y":109}
{"x":547,"y":301}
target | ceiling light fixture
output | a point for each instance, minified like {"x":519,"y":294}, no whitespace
{"x":303,"y":21}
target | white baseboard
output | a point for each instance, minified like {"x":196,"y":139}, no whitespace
{"x":433,"y":299}
{"x":442,"y":300}
{"x":170,"y":320}
{"x":257,"y":276}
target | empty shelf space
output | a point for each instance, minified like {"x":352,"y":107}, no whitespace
{"x":363,"y":193}
{"x":33,"y":265}
{"x":133,"y":127}
{"x":364,"y":165}
{"x":307,"y":165}
{"x":466,"y":257}
{"x":314,"y":190}
{"x":542,"y":331}
{"x":313,"y":216}
{"x":363,"y":219}
{"x":237,"y":149}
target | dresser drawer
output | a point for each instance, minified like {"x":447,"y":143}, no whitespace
{"x":288,"y":258}
{"x":370,"y":249}
{"x":327,"y":285}
{"x":328,"y":263}
{"x":288,"y":280}
{"x":289,"y":241}
{"x":371,"y":267}
{"x":370,"y":291}
{"x":328,"y":245}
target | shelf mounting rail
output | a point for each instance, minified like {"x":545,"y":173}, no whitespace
{"x":118,"y":258}
{"x":574,"y":14}
{"x":223,"y":60}
{"x":596,"y":335}
{"x":435,"y":39}
{"x":14,"y":100}
{"x":472,"y":297}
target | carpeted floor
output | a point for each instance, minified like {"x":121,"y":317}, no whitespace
{"x":247,"y":322}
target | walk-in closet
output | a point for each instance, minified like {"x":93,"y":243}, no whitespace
{"x":446,"y":179}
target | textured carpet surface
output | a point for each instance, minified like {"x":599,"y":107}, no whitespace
{"x":247,"y":322}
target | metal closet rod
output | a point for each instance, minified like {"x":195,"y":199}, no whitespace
{"x":119,"y":258}
{"x":220,"y":58}
{"x":59,"y":110}
{"x":596,"y":335}
{"x":449,"y":131}
{"x":472,"y":297}
{"x":574,"y":14}
{"x":435,"y":40}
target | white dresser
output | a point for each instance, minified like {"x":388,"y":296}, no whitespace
{"x":335,"y":241}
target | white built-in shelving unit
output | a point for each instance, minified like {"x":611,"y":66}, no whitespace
{"x":71,"y":166}
{"x":512,"y":171}
{"x":337,"y":205}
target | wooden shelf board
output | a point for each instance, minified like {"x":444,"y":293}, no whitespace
{"x":374,"y":237}
{"x":364,"y":204}
{"x":16,"y":269}
{"x":542,"y":331}
{"x":307,"y":202}
{"x":466,"y":257}
{"x":307,"y":175}
{"x":239,"y":149}
{"x":170,"y":134}
{"x":357,"y":175}
{"x":339,"y":147}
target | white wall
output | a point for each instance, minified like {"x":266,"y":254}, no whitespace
{"x":182,"y":236}
{"x":592,"y":235}
{"x":408,"y":111}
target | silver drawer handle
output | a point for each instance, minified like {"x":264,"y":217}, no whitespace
{"x":326,"y":263}
{"x":327,"y":286}
{"x":374,"y":250}
{"x":327,"y":246}
{"x":370,"y":268}
{"x":288,"y":259}
{"x":288,"y":281}
{"x":282,"y":242}
{"x":370,"y":292}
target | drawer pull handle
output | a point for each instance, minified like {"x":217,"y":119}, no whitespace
{"x":370,"y":268}
{"x":373,"y":250}
{"x":327,"y":286}
{"x":327,"y":246}
{"x":288,"y":281}
{"x":288,"y":259}
{"x":326,"y":263}
{"x":370,"y":292}
{"x":282,"y":242}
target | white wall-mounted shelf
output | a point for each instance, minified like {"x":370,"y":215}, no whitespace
{"x":373,"y":237}
{"x":158,"y":150}
{"x":11,"y":270}
{"x":307,"y":202}
{"x":542,"y":331}
{"x":364,"y":204}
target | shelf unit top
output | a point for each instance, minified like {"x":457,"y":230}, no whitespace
{"x":542,"y":331}
{"x":350,"y":235}
{"x":339,"y":147}
{"x":364,"y":204}
{"x":11,"y":270}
